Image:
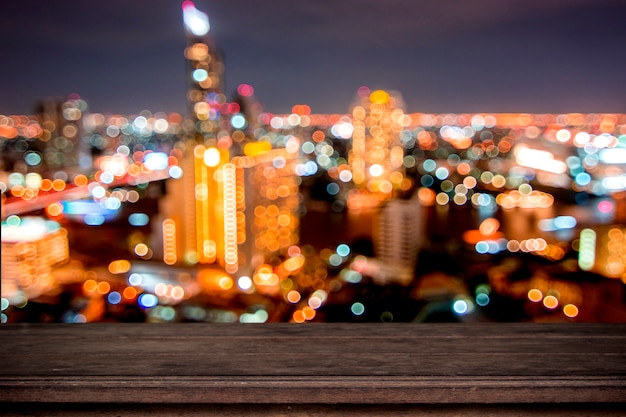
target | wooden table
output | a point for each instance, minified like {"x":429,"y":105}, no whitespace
{"x":313,"y":369}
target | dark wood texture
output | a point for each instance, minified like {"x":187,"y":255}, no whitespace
{"x":440,"y":365}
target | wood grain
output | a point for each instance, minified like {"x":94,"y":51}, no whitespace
{"x":313,"y":364}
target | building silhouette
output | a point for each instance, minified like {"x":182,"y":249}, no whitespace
{"x":399,"y":233}
{"x":237,"y":200}
{"x":205,"y":75}
{"x":376,"y":155}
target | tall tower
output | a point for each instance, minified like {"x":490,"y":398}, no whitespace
{"x":200,"y":213}
{"x":237,"y":198}
{"x":231,"y":212}
{"x":267,"y":203}
{"x":199,"y":223}
{"x":205,"y":71}
{"x":377,"y":155}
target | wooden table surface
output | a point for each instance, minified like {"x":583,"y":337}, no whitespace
{"x":440,"y":365}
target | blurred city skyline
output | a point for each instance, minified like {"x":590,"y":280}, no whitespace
{"x":487,"y":56}
{"x":302,"y":193}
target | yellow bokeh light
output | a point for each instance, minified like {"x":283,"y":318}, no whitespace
{"x":226,"y":283}
{"x":257,"y":148}
{"x":80,"y":180}
{"x":570,"y":310}
{"x":535,"y":295}
{"x":379,"y":97}
{"x":119,"y":267}
{"x":58,"y":185}
{"x":265,"y":276}
{"x":292,"y":264}
{"x":550,"y":302}
{"x":54,"y":209}
{"x":141,"y":249}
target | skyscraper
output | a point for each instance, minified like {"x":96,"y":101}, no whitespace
{"x":237,"y":197}
{"x":192,"y":226}
{"x":205,"y":71}
{"x":376,"y":156}
{"x":267,"y":202}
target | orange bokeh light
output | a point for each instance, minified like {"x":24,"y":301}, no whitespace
{"x":90,"y":285}
{"x":103,"y":287}
{"x":54,"y":209}
{"x":129,"y":293}
{"x":293,"y":296}
{"x":58,"y":185}
{"x":80,"y":180}
{"x":46,"y":185}
{"x":299,"y":316}
{"x":535,"y":295}
{"x":309,"y":313}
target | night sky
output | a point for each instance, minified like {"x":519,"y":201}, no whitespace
{"x":123,"y":56}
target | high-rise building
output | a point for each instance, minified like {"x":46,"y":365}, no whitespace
{"x":231,"y":213}
{"x":377,"y":155}
{"x":198,"y":210}
{"x":62,"y":121}
{"x":267,"y":203}
{"x":205,"y":71}
{"x":237,"y":199}
{"x":399,"y":233}
{"x":31,"y":246}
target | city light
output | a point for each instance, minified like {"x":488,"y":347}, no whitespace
{"x":538,"y":159}
{"x":232,"y":213}
{"x":196,"y":21}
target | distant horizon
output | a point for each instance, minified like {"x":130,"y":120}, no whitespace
{"x":346,"y":112}
{"x":490,"y":56}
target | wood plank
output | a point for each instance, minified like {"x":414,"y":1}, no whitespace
{"x":316,"y":363}
{"x":316,"y":390}
{"x":310,"y":410}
